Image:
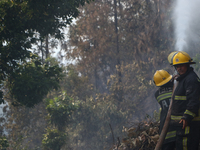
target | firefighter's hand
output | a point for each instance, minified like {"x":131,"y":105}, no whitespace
{"x":185,"y":123}
{"x":174,"y":77}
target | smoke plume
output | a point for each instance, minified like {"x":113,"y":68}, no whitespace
{"x":186,"y":20}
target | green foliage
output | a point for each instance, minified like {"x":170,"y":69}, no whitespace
{"x":60,"y":110}
{"x":20,"y":20}
{"x":32,"y":81}
{"x":45,"y":17}
{"x":197,"y":60}
{"x":3,"y":143}
{"x":156,"y":115}
{"x":17,"y":145}
{"x":53,"y":139}
{"x":90,"y":129}
{"x":1,"y":97}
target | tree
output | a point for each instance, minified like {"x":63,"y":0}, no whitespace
{"x":25,"y":126}
{"x":21,"y":19}
{"x":60,"y":110}
{"x":93,"y":43}
{"x":143,"y":45}
{"x":53,"y":139}
{"x":31,"y":82}
{"x":109,"y":36}
{"x":3,"y":143}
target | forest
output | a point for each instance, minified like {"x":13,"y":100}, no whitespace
{"x":76,"y":73}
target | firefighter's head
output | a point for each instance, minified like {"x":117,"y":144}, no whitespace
{"x":171,"y":56}
{"x":161,"y":77}
{"x":182,"y":61}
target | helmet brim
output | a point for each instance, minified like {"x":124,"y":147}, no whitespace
{"x":185,"y":63}
{"x":165,"y":81}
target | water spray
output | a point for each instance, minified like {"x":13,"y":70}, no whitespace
{"x":186,"y":23}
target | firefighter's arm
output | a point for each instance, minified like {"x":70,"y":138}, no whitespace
{"x":192,"y":95}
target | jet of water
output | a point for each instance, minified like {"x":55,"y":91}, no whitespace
{"x":186,"y":20}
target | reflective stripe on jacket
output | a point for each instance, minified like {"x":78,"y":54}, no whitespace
{"x":186,"y":97}
{"x":163,"y":96}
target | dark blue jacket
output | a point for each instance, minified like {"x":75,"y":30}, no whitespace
{"x":186,"y":97}
{"x":163,"y":96}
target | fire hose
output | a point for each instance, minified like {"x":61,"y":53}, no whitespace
{"x":167,"y":120}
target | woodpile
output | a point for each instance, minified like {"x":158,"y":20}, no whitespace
{"x":142,"y":136}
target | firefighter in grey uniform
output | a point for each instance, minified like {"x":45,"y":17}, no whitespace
{"x":185,"y":107}
{"x":163,"y":80}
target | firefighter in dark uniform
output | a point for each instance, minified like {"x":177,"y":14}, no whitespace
{"x":185,"y":106}
{"x":163,"y":80}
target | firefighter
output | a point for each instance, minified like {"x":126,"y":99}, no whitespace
{"x":171,"y":56}
{"x":163,"y":80}
{"x":185,"y":106}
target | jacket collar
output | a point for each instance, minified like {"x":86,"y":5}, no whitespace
{"x":190,"y":69}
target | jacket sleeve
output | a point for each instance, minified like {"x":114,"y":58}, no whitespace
{"x":192,"y":95}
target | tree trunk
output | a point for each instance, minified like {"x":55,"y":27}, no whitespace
{"x":119,"y":74}
{"x":47,"y":47}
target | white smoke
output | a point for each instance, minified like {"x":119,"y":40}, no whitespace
{"x":186,"y":19}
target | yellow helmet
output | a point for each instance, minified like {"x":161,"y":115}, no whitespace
{"x":182,"y":58}
{"x":170,"y":57}
{"x":161,"y":77}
